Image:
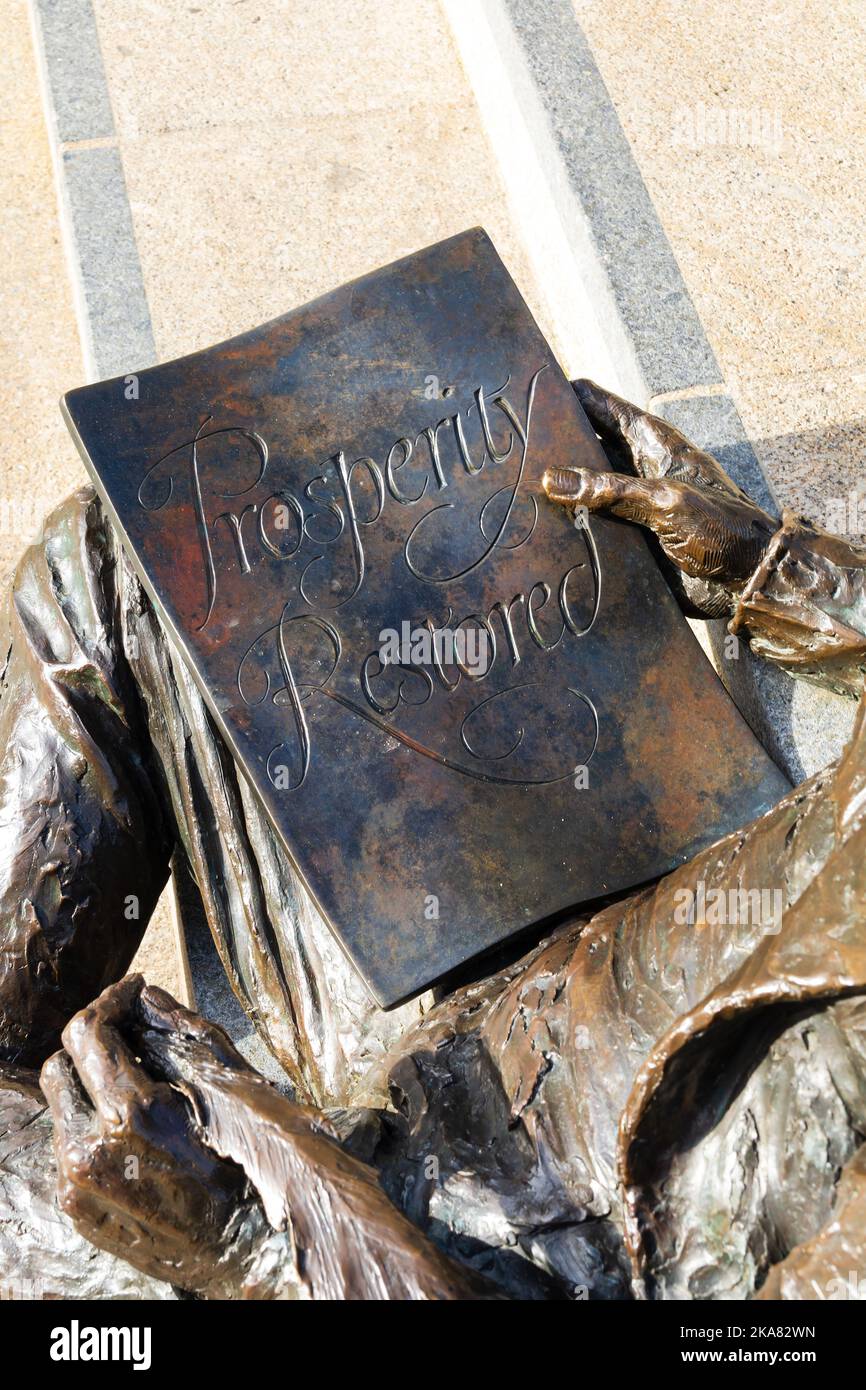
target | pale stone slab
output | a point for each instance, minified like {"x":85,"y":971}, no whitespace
{"x":746,"y":122}
{"x":299,"y":208}
{"x":182,"y":67}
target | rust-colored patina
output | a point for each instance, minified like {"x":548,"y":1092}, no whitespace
{"x":665,"y":1098}
{"x":371,"y":464}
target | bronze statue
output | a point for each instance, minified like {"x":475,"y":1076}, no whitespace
{"x":659,"y":1100}
{"x":290,"y":510}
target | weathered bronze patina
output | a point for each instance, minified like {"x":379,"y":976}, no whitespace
{"x":371,"y":465}
{"x":657,"y":1100}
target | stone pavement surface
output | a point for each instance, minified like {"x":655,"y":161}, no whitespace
{"x":748,"y":123}
{"x":40,"y":355}
{"x":677,"y":187}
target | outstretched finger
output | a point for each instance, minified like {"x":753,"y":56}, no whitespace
{"x":644,"y":500}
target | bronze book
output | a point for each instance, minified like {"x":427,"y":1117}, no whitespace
{"x":462,"y":712}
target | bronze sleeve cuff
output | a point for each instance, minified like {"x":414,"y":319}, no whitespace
{"x":804,"y":607}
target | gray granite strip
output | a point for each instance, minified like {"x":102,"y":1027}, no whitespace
{"x":77,"y":89}
{"x":802,"y":727}
{"x":117,"y":326}
{"x":599,"y":169}
{"x":113,"y":314}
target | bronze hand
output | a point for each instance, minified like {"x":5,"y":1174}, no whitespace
{"x":162,"y":1171}
{"x":706,"y":526}
{"x":132,"y":1174}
